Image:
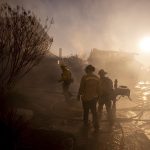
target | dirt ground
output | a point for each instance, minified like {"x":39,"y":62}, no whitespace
{"x":47,"y":110}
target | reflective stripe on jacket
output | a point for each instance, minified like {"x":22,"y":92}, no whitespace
{"x":89,"y":87}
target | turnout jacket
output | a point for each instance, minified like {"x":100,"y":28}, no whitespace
{"x":66,"y":76}
{"x":88,"y":87}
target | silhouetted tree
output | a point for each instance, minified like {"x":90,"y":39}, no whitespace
{"x":23,"y":42}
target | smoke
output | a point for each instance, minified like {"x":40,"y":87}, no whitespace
{"x":85,"y":24}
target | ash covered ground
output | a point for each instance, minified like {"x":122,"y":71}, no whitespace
{"x":38,"y":97}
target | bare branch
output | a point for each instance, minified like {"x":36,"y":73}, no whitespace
{"x":23,"y":43}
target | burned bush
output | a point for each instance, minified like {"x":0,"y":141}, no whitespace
{"x":23,"y":43}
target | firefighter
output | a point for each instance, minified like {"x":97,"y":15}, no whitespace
{"x":88,"y":93}
{"x":105,"y":95}
{"x":66,"y":79}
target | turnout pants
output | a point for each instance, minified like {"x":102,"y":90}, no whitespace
{"x":105,"y":100}
{"x":66,"y":92}
{"x":90,"y":106}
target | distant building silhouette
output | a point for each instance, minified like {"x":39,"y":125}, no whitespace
{"x":119,"y":64}
{"x":109,"y":55}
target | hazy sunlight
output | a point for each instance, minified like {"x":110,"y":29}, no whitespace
{"x":145,"y":44}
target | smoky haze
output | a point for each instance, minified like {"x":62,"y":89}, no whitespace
{"x":81,"y":25}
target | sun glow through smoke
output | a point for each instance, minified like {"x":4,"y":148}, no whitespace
{"x":145,"y":45}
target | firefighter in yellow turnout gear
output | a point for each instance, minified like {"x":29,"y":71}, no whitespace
{"x":66,"y":79}
{"x":88,"y":92}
